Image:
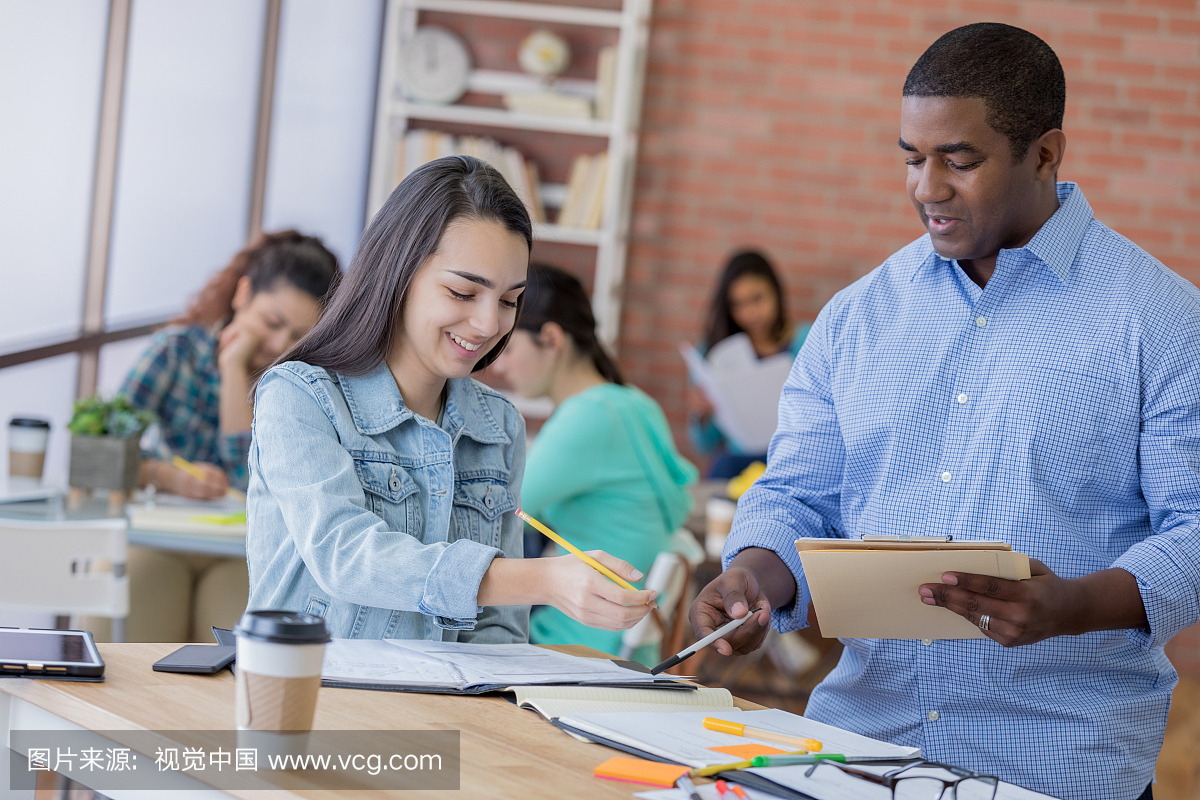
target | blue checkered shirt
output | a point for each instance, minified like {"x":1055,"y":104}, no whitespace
{"x":1057,"y":409}
{"x":177,"y":379}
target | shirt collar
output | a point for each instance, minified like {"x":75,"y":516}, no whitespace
{"x":376,"y":406}
{"x":1057,"y":241}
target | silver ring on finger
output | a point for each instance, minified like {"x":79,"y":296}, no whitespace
{"x":984,"y":621}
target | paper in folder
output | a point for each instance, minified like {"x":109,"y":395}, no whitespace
{"x":868,"y":590}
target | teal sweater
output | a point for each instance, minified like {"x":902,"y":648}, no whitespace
{"x":604,"y":472}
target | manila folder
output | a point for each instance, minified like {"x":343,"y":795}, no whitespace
{"x":872,"y":594}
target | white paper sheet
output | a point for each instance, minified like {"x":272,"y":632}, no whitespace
{"x":743,"y":389}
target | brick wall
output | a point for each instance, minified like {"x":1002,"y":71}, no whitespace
{"x":773,"y":123}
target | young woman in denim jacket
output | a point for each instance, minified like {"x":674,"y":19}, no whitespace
{"x":382,"y":477}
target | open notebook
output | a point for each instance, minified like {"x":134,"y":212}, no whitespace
{"x":679,"y":736}
{"x":417,"y":665}
{"x":553,"y":702}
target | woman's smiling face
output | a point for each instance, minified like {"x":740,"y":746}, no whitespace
{"x":461,"y":302}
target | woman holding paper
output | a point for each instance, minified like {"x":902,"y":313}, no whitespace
{"x":382,"y":477}
{"x":603,"y":470}
{"x":749,"y":300}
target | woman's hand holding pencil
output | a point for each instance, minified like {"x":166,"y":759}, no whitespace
{"x":583,"y":594}
{"x":580,"y":585}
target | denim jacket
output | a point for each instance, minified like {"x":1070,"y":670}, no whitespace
{"x":375,"y":518}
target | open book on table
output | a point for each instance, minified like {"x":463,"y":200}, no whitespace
{"x":418,"y":665}
{"x":869,"y":589}
{"x":681,"y":738}
{"x":553,"y":702}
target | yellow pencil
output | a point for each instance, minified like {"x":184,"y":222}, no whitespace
{"x":570,"y":548}
{"x":196,"y":472}
{"x":706,"y":772}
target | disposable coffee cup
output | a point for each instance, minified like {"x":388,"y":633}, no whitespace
{"x":279,"y":656}
{"x":718,"y":519}
{"x":27,"y":439}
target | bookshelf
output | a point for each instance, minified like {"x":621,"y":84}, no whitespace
{"x":395,"y":115}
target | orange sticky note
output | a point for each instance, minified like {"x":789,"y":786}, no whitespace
{"x":745,"y":752}
{"x":636,"y":770}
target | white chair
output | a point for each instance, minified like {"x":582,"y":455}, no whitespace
{"x":69,"y":568}
{"x":669,"y":576}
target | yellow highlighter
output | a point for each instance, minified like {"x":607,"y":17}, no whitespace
{"x":738,"y":729}
{"x":191,"y":469}
{"x":570,"y":548}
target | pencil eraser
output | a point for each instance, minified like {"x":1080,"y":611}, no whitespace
{"x":637,"y":770}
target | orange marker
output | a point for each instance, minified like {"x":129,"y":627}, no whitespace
{"x":739,"y":791}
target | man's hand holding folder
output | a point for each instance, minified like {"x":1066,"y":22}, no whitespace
{"x":1023,"y":600}
{"x":1028,"y":611}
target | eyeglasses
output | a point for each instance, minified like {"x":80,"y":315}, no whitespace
{"x":967,"y":785}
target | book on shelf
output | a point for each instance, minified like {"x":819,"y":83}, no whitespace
{"x":549,"y":104}
{"x":606,"y":82}
{"x":419,"y":147}
{"x":584,"y":206}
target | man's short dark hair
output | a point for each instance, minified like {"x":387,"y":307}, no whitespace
{"x":1016,"y":74}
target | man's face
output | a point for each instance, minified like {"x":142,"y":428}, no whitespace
{"x":961,"y":178}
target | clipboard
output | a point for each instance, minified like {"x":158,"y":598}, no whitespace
{"x":868,"y":590}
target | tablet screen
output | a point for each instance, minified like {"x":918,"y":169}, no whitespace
{"x":45,"y":646}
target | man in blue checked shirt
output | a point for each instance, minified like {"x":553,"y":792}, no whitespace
{"x":1020,"y":373}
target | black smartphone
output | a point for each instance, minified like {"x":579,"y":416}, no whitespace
{"x":197,"y":659}
{"x":49,"y":653}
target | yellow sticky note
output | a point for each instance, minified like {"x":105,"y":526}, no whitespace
{"x":636,"y":770}
{"x":745,"y":752}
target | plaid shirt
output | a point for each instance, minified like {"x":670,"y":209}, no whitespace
{"x":177,"y":379}
{"x":1058,"y":409}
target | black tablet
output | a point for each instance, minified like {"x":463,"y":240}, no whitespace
{"x":49,"y":653}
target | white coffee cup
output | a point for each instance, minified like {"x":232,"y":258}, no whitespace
{"x":718,"y":519}
{"x":27,"y":439}
{"x":279,"y":655}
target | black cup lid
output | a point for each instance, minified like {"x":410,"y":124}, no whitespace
{"x":28,"y":422}
{"x":283,"y":627}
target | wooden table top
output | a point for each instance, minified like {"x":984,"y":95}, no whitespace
{"x":507,"y":752}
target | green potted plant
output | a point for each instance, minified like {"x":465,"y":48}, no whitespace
{"x":104,"y":447}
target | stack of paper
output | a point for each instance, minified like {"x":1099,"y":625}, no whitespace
{"x":869,"y":590}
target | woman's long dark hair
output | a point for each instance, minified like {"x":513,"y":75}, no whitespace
{"x":555,"y":295}
{"x":721,"y":324}
{"x":289,"y":256}
{"x":356,"y":333}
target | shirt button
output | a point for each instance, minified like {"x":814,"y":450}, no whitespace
{"x":394,"y":483}
{"x":962,"y":398}
{"x":927,"y":642}
{"x":981,"y":321}
{"x":934,"y":716}
{"x":945,"y":477}
{"x":488,"y":501}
